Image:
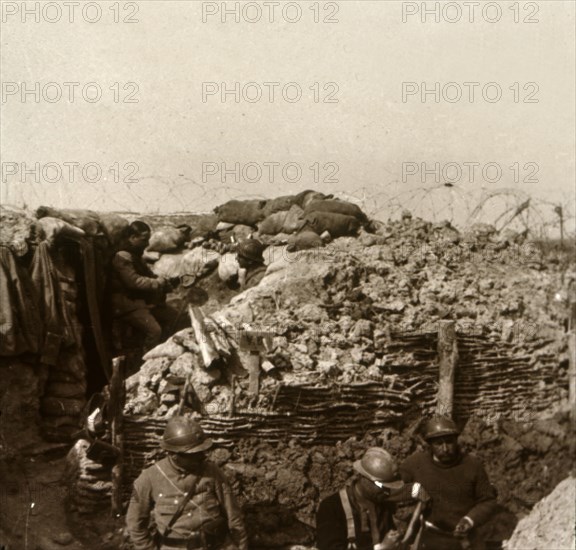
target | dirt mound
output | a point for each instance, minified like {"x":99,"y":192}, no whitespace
{"x":551,"y":522}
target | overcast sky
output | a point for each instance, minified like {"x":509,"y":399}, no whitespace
{"x":361,"y":128}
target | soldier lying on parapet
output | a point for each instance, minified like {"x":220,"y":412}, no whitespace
{"x":191,"y":499}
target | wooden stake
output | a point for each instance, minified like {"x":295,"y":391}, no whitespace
{"x":447,"y":361}
{"x":572,"y":377}
{"x":116,"y":418}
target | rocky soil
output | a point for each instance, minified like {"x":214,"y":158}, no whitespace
{"x":550,"y":524}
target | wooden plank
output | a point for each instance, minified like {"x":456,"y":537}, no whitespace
{"x":253,"y":367}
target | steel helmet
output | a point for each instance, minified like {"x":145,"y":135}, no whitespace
{"x":439,"y":426}
{"x":251,"y":249}
{"x":378,"y":465}
{"x":184,"y":435}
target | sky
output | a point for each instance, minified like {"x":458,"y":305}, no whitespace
{"x":454,"y":110}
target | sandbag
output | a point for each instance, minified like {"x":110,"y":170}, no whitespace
{"x":304,"y":240}
{"x":61,"y":406}
{"x":244,"y":212}
{"x":279,"y":204}
{"x":275,"y":240}
{"x":294,"y":220}
{"x":199,"y":262}
{"x":49,"y":228}
{"x":224,"y":226}
{"x":113,"y":226}
{"x":204,"y":225}
{"x":239,"y":231}
{"x":306,"y":197}
{"x":70,"y":363}
{"x":168,"y":238}
{"x":338,"y":225}
{"x":64,"y":389}
{"x":283,"y":222}
{"x":63,"y":376}
{"x":273,"y":224}
{"x":169,"y":265}
{"x":228,"y":267}
{"x":337,"y":207}
{"x":242,"y":232}
{"x":87,"y":220}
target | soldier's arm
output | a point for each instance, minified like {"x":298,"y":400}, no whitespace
{"x":138,"y":515}
{"x":485,"y":495}
{"x":231,"y":510}
{"x":124,"y":266}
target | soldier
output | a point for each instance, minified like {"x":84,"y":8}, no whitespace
{"x":191,"y":499}
{"x":360,"y":516}
{"x":462,"y":498}
{"x":138,"y":295}
{"x":250,"y":257}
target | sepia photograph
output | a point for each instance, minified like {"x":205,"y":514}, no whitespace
{"x":288,"y":275}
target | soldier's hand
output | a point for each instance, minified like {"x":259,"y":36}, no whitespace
{"x":390,"y":541}
{"x":419,"y":493}
{"x":463,"y":527}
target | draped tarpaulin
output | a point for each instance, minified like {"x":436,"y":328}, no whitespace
{"x":21,"y":327}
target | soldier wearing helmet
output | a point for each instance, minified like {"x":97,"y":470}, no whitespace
{"x":360,"y":515}
{"x":190,"y":498}
{"x":251,"y":260}
{"x":462,"y":497}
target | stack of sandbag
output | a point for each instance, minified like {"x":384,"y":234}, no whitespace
{"x":64,"y":397}
{"x":50,"y":228}
{"x":251,"y":212}
{"x":89,"y":223}
{"x":89,"y":482}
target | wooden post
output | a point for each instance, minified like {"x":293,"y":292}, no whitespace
{"x":572,"y":377}
{"x":116,"y":417}
{"x":447,"y":361}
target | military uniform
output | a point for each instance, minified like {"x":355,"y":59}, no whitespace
{"x":371,"y":522}
{"x":254,"y":276}
{"x":211,"y":514}
{"x":457,"y":490}
{"x":138,"y":296}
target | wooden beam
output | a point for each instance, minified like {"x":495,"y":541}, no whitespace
{"x":116,"y":419}
{"x":447,"y":362}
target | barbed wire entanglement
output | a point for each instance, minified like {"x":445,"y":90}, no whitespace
{"x":505,"y":208}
